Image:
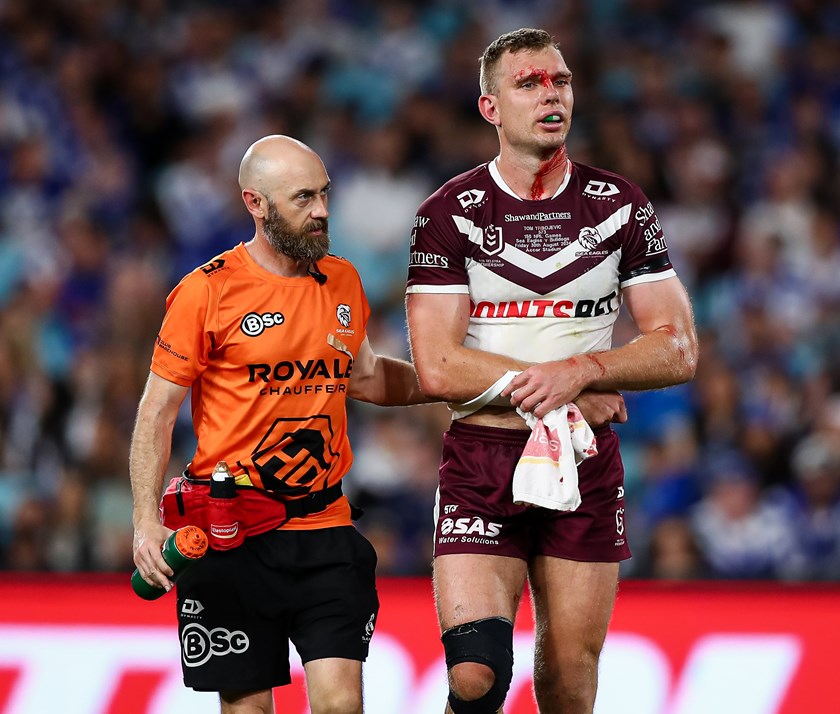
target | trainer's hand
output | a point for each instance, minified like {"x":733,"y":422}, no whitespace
{"x":600,"y":408}
{"x":149,"y":538}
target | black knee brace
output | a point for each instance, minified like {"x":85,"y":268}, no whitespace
{"x":488,"y":642}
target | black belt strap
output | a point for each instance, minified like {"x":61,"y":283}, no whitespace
{"x":314,"y":502}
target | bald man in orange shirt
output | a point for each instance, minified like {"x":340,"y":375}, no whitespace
{"x":270,"y":337}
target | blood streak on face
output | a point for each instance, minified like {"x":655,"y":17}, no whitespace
{"x":538,"y":73}
{"x":558,"y":159}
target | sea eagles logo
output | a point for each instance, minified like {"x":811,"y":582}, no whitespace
{"x":589,"y":237}
{"x":342,"y":312}
{"x":369,"y":627}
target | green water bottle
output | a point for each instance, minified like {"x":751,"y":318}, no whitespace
{"x":183,"y":548}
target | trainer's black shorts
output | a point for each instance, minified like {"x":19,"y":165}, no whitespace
{"x":238,"y":609}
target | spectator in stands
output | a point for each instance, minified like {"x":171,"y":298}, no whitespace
{"x":811,"y":505}
{"x":739,"y":533}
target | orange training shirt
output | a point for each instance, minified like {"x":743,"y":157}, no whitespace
{"x":268,"y":359}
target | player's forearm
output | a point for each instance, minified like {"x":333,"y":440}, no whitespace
{"x":393,"y":383}
{"x":661,"y":358}
{"x":151,"y":446}
{"x":458,"y":373}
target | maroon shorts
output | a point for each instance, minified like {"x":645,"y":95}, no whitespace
{"x":476,"y":512}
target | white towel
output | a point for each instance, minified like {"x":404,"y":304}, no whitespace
{"x":546,"y":474}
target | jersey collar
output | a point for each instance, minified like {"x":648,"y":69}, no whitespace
{"x":500,"y":182}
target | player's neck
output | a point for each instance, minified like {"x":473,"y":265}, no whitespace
{"x":269,"y":259}
{"x":533,"y":177}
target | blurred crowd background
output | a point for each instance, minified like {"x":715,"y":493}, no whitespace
{"x":122,"y":123}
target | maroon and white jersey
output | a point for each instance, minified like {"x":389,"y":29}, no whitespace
{"x":544,"y":277}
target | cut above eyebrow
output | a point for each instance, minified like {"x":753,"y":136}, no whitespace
{"x":541,"y":76}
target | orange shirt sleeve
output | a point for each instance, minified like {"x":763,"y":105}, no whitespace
{"x":186,"y":336}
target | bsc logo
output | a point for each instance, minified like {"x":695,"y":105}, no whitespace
{"x":200,"y":644}
{"x":254,"y":323}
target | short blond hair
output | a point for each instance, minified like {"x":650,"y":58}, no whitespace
{"x":526,"y":38}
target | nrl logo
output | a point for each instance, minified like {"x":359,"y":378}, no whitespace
{"x":492,"y":242}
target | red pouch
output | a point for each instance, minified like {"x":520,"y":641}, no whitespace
{"x":184,"y":503}
{"x":227,"y":521}
{"x":223,"y":528}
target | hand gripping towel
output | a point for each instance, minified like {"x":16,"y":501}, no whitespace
{"x":546,"y":474}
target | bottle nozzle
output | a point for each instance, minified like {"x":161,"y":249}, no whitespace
{"x":222,"y":483}
{"x":222,"y":471}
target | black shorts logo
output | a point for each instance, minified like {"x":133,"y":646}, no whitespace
{"x":198,"y":644}
{"x":293,"y":453}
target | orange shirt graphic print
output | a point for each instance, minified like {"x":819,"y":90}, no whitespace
{"x":292,"y":455}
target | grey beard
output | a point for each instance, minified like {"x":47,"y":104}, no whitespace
{"x":297,"y":245}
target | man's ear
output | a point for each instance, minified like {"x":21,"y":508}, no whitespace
{"x":255,"y":202}
{"x":488,"y":109}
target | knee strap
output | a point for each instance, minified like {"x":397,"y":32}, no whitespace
{"x":488,"y":642}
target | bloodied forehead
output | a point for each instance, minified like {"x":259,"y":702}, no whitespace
{"x":544,"y":66}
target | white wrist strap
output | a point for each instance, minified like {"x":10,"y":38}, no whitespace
{"x":460,"y":410}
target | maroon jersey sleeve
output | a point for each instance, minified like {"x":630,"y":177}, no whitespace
{"x":437,"y":250}
{"x":644,"y":255}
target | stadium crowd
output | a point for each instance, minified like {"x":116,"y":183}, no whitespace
{"x":121,"y":124}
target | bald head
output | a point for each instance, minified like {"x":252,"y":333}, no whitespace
{"x":284,"y":187}
{"x":270,"y":160}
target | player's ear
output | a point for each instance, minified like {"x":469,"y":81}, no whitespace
{"x":488,"y":109}
{"x":255,"y":202}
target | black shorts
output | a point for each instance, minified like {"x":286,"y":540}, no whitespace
{"x":476,"y":512}
{"x":238,"y":609}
